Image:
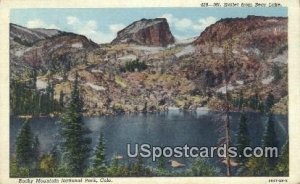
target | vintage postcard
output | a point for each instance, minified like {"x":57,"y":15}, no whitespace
{"x":195,"y":92}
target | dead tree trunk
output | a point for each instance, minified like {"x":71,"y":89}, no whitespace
{"x":227,"y":58}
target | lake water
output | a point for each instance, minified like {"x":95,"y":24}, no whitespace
{"x":173,"y":128}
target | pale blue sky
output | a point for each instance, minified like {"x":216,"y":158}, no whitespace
{"x":101,"y":25}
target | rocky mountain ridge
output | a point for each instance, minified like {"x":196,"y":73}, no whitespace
{"x":27,"y":37}
{"x":230,"y":27}
{"x":187,"y":75}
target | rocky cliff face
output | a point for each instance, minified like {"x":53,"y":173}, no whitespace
{"x":152,"y":32}
{"x":259,"y":50}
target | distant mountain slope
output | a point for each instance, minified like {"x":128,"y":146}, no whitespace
{"x":27,"y":37}
{"x":46,"y":49}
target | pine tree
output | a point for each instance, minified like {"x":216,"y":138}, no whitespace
{"x":283,"y":163}
{"x":269,"y":102}
{"x":270,"y":138}
{"x":35,"y":156}
{"x":138,"y":167}
{"x":61,"y":100}
{"x":49,"y":99}
{"x":161,"y":163}
{"x":161,"y":167}
{"x":75,"y":142}
{"x":35,"y":102}
{"x":254,"y":101}
{"x":241,"y":100}
{"x":36,"y":148}
{"x":99,"y":162}
{"x":34,"y":78}
{"x":144,"y":110}
{"x":256,"y":166}
{"x":24,"y":146}
{"x":201,"y":167}
{"x":243,"y":140}
{"x":114,"y":169}
{"x":49,"y":163}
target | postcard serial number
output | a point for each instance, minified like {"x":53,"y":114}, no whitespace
{"x":278,"y":180}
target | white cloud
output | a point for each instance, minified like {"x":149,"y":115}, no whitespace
{"x":91,"y":29}
{"x":169,"y":17}
{"x":38,"y":23}
{"x":184,"y":24}
{"x":203,"y":23}
{"x":71,"y":20}
{"x":88,"y":28}
{"x":114,"y":28}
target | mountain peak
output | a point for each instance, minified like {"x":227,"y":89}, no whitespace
{"x":152,"y":32}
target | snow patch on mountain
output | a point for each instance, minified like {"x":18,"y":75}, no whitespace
{"x":95,"y":87}
{"x":222,"y":90}
{"x":77,"y":45}
{"x":48,"y":32}
{"x":185,"y":51}
{"x":185,"y":41}
{"x":147,"y":49}
{"x":128,"y":57}
{"x":40,"y":84}
{"x":267,"y":80}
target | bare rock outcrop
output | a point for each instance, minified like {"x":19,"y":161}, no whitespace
{"x":151,"y":32}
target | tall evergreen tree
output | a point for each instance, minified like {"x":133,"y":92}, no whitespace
{"x":35,"y":102}
{"x":243,"y":140}
{"x":99,"y":162}
{"x":49,"y":98}
{"x":254,"y":101}
{"x":75,"y":142}
{"x":24,"y":146}
{"x":46,"y":98}
{"x":61,"y":100}
{"x":35,"y":156}
{"x":269,"y":102}
{"x":241,"y":100}
{"x":114,"y":169}
{"x":270,"y":138}
{"x":36,"y":148}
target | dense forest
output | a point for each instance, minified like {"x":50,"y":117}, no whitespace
{"x":26,"y":99}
